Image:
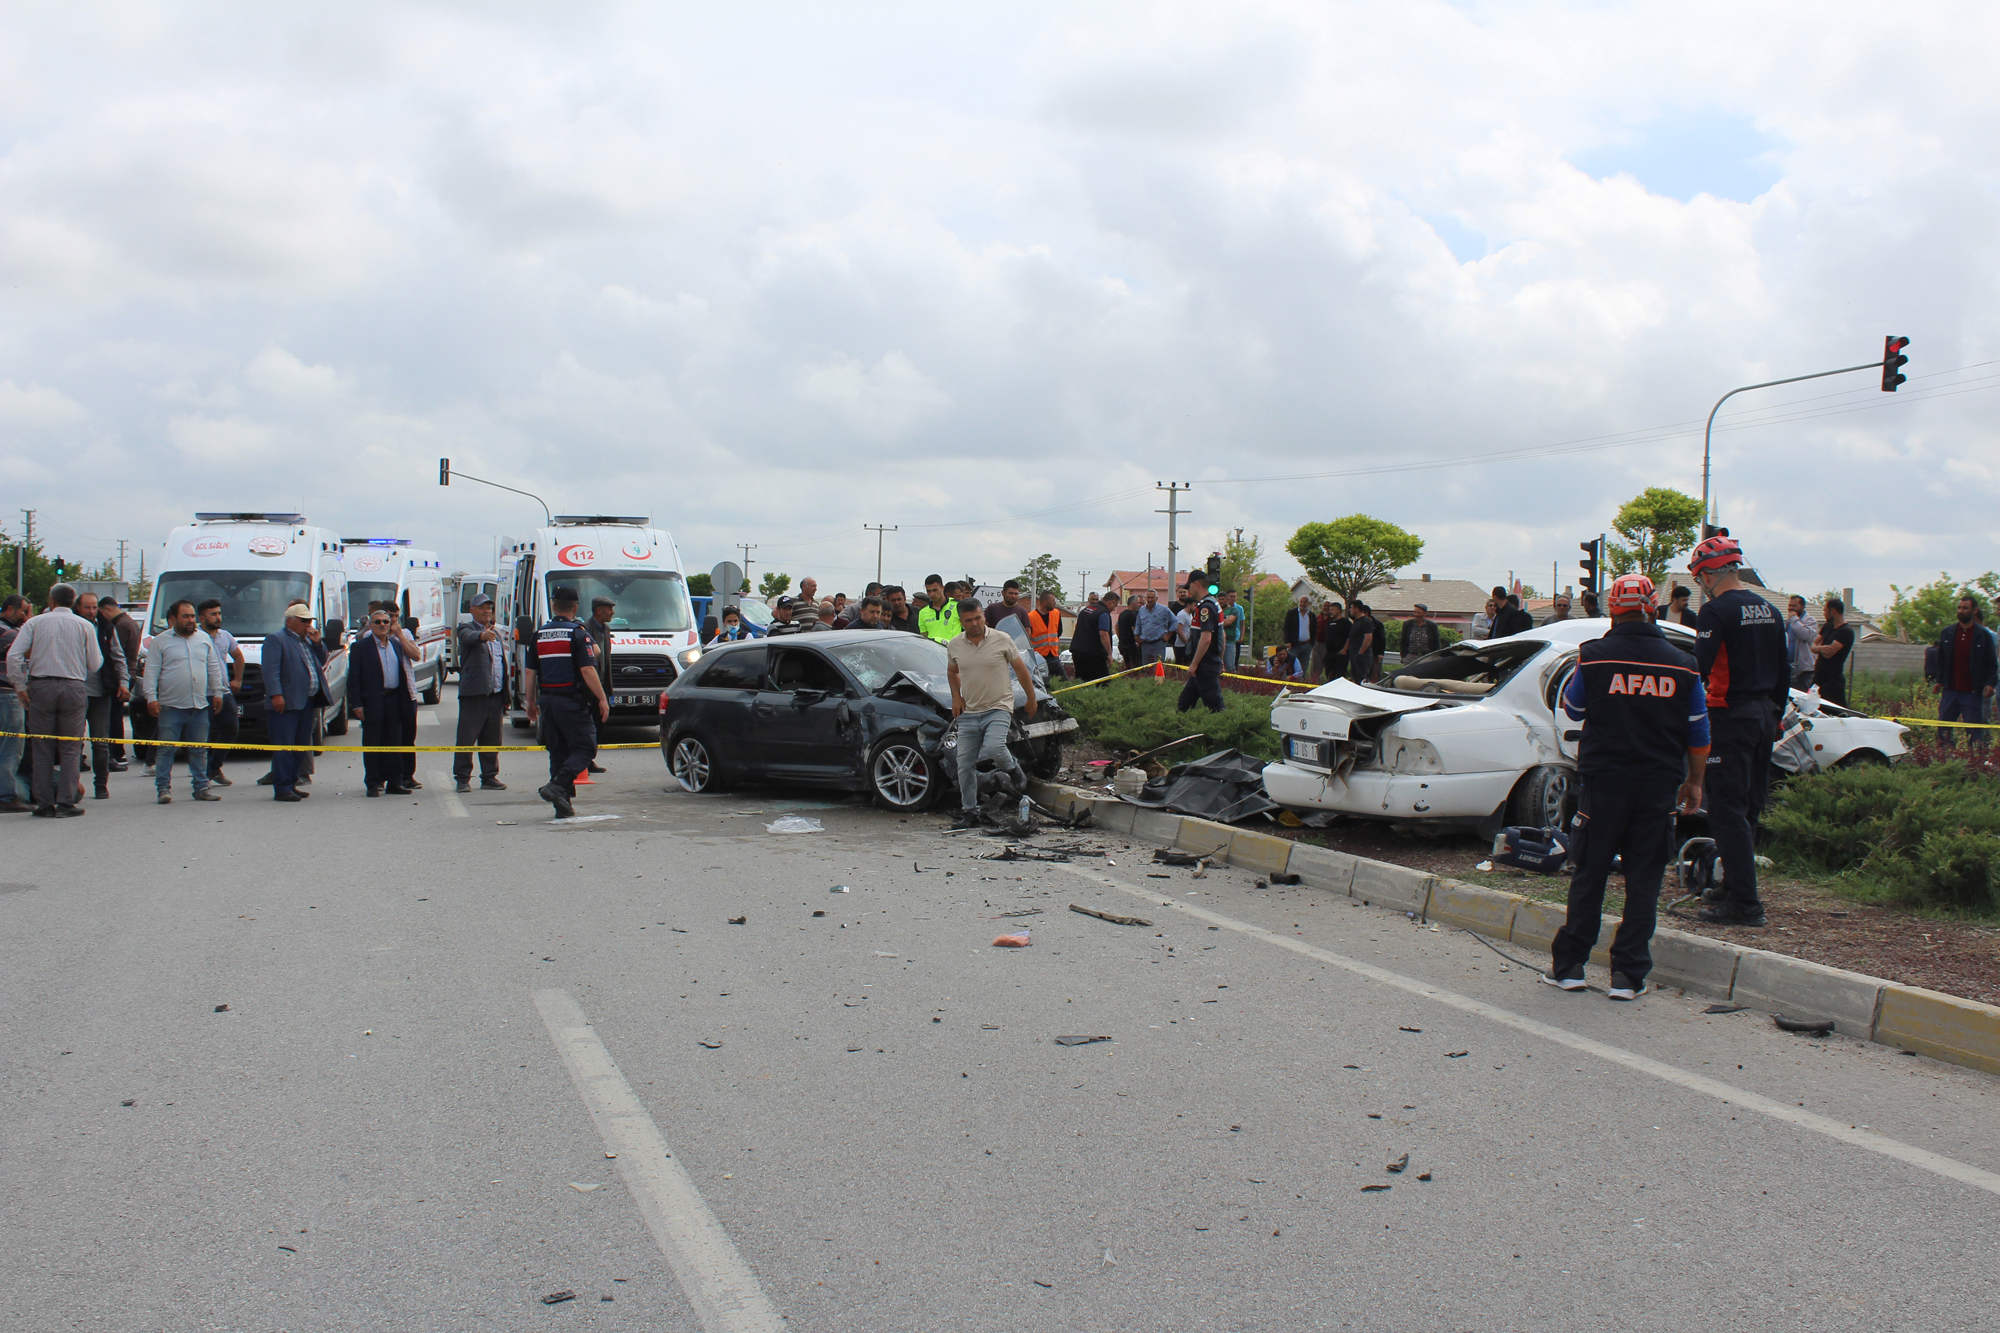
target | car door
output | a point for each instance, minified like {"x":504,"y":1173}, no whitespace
{"x":802,"y":717}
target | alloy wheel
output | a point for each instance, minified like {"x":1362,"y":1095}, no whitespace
{"x":692,"y":767}
{"x":902,"y":775}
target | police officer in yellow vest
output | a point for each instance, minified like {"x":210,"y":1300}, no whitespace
{"x":938,"y":620}
{"x":1045,"y":633}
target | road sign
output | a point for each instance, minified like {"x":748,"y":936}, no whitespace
{"x":728,"y":580}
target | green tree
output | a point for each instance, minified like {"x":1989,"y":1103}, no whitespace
{"x":1242,"y":561}
{"x":1353,"y":554}
{"x":41,"y":575}
{"x":701,"y":585}
{"x":1043,"y":572}
{"x":1657,"y":524}
{"x":1922,"y":613}
{"x":773,"y":584}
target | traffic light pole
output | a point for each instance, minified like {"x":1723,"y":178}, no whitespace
{"x":1709,"y":429}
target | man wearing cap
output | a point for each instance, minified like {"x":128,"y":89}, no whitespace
{"x":1644,"y":747}
{"x":1420,"y":635}
{"x":1747,"y":667}
{"x":567,"y":696}
{"x":294,"y":686}
{"x":482,"y":697}
{"x":782,"y":621}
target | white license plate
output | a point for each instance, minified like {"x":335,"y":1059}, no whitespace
{"x":637,"y":698}
{"x":1299,"y":749}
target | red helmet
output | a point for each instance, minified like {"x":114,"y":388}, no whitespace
{"x":1716,"y":553}
{"x":1631,"y":592}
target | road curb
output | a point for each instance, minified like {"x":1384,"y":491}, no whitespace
{"x":1944,"y":1027}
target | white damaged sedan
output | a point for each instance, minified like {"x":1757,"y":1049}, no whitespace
{"x":1471,"y":735}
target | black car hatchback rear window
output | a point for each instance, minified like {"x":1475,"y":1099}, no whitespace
{"x":742,"y":669}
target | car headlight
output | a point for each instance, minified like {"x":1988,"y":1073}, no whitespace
{"x":1400,"y":755}
{"x":687,"y":657}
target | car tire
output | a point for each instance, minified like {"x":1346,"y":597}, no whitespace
{"x":521,"y":724}
{"x":1048,"y":764}
{"x":902,"y":777}
{"x":338,"y":725}
{"x":435,"y":691}
{"x":1543,"y":798}
{"x":693,"y":763}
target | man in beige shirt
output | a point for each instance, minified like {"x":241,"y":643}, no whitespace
{"x":984,"y":664}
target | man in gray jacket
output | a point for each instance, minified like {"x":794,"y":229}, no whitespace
{"x":185,"y":684}
{"x":1801,"y":631}
{"x":482,"y":696}
{"x":50,"y":659}
{"x":106,"y":688}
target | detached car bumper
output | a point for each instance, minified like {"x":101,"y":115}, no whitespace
{"x":1373,"y":794}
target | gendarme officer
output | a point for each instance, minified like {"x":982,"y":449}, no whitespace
{"x":564,"y":691}
{"x":1204,"y":680}
{"x":1645,"y":738}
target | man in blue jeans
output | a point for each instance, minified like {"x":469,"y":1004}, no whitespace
{"x":1152,"y":626}
{"x":982,"y":699}
{"x":185,"y":683}
{"x":1965,"y":674}
{"x":292,"y":681}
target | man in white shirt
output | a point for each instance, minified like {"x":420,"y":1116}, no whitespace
{"x":51,"y":658}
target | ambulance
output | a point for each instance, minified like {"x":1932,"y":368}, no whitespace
{"x":654,"y":635}
{"x":256,"y":565}
{"x":389,"y":569}
{"x":460,"y":588}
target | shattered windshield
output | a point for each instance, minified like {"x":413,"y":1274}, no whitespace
{"x":882,"y":655}
{"x":1465,"y":668}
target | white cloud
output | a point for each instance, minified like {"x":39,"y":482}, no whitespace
{"x":774,"y":273}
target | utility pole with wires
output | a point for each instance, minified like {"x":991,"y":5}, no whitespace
{"x":1083,"y":588}
{"x":1173,"y":511}
{"x":21,"y":552}
{"x":122,"y":544}
{"x":878,"y":530}
{"x":746,"y":548}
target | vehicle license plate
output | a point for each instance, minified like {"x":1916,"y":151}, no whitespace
{"x":1299,"y":749}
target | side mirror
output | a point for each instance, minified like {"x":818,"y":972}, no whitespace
{"x":807,"y":698}
{"x":336,"y":634}
{"x":411,"y":623}
{"x":524,"y":628}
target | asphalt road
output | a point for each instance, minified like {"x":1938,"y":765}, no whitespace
{"x":443,"y":1013}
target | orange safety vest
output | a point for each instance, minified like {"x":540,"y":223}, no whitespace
{"x":1045,"y":636}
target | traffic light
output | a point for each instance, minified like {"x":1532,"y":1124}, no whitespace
{"x":1214,"y":573}
{"x":1892,"y":357}
{"x":1588,"y":564}
{"x":444,"y":472}
{"x":58,"y":563}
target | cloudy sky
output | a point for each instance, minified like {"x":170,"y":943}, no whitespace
{"x":772,"y":272}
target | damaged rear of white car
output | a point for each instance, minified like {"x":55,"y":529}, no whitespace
{"x":1471,"y":736}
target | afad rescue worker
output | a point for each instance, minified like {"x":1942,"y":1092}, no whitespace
{"x":1740,"y":646}
{"x":1204,"y":680}
{"x":1645,"y":740}
{"x":561,"y":672}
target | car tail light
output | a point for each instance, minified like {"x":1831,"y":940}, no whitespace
{"x":663,"y":703}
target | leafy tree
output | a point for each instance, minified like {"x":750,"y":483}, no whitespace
{"x":104,"y":573}
{"x":773,"y":584}
{"x":41,"y":575}
{"x":1353,"y":554}
{"x":1242,"y":561}
{"x":1657,"y":524}
{"x":1040,"y":573}
{"x":701,"y":585}
{"x":1922,"y":613}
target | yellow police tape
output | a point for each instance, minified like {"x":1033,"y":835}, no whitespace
{"x":1933,"y":722}
{"x":321,"y":747}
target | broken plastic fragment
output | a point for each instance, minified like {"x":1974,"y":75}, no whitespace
{"x":558,"y":1297}
{"x":1375,"y":1189}
{"x":738,"y":920}
{"x":1423,"y":1175}
{"x":794,"y":824}
{"x":1454,"y":1055}
{"x":1018,"y":940}
{"x":1395,"y":1168}
{"x":1484,"y":865}
{"x":221,"y":1008}
{"x":1078,"y":1041}
{"x":711,"y":1045}
{"x":581,"y":1189}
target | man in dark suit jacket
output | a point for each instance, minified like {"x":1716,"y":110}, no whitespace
{"x":482,"y":696}
{"x":384,"y":696}
{"x":294,"y":691}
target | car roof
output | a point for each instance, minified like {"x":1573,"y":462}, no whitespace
{"x":1572,"y":633}
{"x":824,"y":638}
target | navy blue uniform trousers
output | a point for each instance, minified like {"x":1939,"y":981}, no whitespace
{"x":569,"y":729}
{"x":1637,"y":826}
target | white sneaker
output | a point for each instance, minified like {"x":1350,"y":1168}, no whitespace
{"x":1624,"y":988}
{"x":1573,"y":981}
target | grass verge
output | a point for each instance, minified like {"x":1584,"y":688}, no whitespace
{"x":1138,"y":713}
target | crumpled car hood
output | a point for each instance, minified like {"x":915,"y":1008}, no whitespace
{"x":938,"y":688}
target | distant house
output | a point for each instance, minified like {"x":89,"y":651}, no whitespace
{"x":1127,"y":581}
{"x":1452,"y":602}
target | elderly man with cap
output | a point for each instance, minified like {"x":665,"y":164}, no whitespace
{"x":294,"y":689}
{"x":1420,"y":635}
{"x":482,"y":697}
{"x":1645,"y":747}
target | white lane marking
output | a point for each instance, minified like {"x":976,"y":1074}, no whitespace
{"x":427,"y":717}
{"x":448,"y":793}
{"x":719,"y":1285}
{"x":1948,"y":1167}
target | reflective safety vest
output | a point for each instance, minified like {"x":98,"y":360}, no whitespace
{"x":1045,"y":636}
{"x":939,"y":625}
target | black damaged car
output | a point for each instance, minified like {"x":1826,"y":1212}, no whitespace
{"x":860,"y":710}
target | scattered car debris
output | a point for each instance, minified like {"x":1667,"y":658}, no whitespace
{"x":1817,"y":1027}
{"x":1078,"y":1041}
{"x":1484,"y":865}
{"x":840,"y":888}
{"x":1021,"y":911}
{"x":1226,"y":786}
{"x":1456,"y":1055}
{"x":1279,"y":877}
{"x":130,"y":1101}
{"x":1166,"y":856}
{"x":1020,"y":939}
{"x":1374,"y":1115}
{"x":1159,"y":877}
{"x":1038,"y":1282}
{"x":1423,"y":1175}
{"x":1396,"y":1167}
{"x":708,"y":1045}
{"x":1725,"y":1008}
{"x":738,"y":920}
{"x":221,"y":1008}
{"x":1016,"y":852}
{"x":819,"y":913}
{"x":1112,"y":917}
{"x":1374,"y":1189}
{"x":1409,"y":1029}
{"x":558,"y":1297}
{"x":581,"y":1189}
{"x":795,"y":824}
{"x":1261,"y":884}
{"x":506,"y":823}
{"x":292,"y":1248}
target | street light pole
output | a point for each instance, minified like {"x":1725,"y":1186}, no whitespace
{"x":1710,"y":427}
{"x":445,"y":474}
